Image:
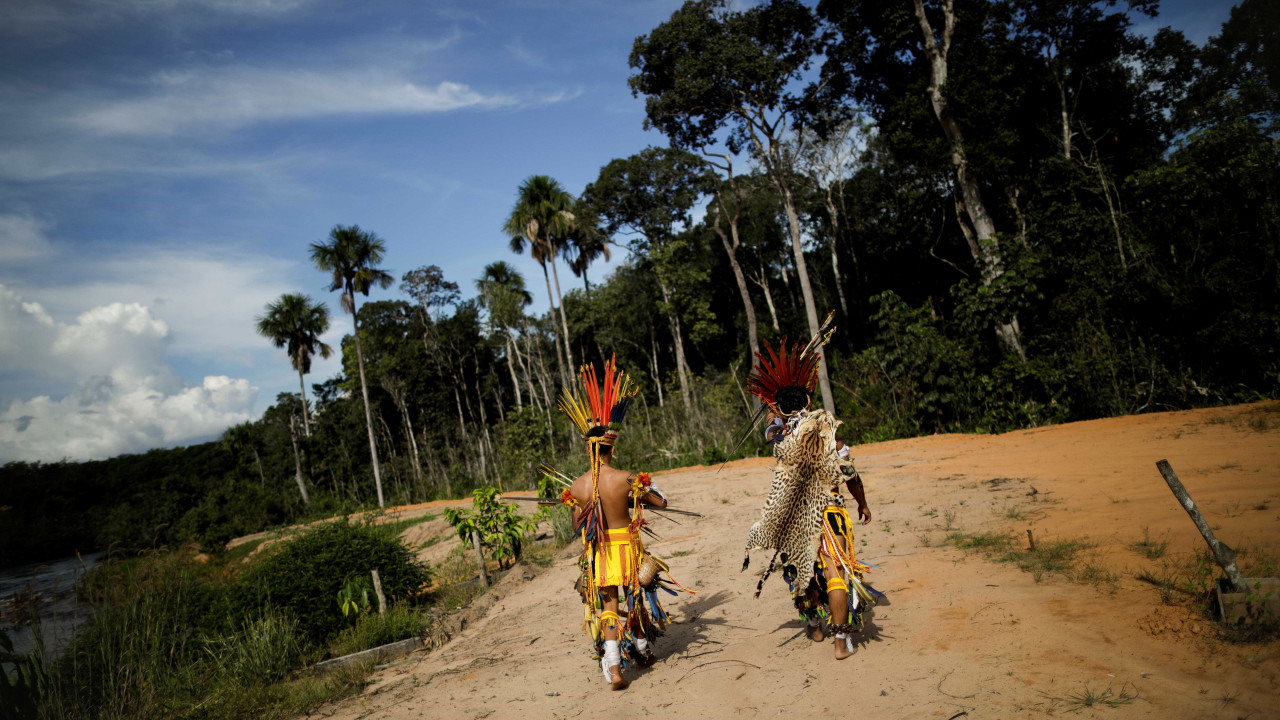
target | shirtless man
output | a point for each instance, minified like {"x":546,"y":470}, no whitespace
{"x":619,"y":558}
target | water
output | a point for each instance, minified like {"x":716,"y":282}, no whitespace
{"x":51,"y":587}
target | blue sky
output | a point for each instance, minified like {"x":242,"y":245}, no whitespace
{"x":164,"y":165}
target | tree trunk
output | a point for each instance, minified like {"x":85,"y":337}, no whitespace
{"x":835,"y":257}
{"x":511,"y":365}
{"x":657,"y":376}
{"x":306,"y":424}
{"x":810,"y":310}
{"x":368,"y":416}
{"x":564,"y":372}
{"x":297,"y":460}
{"x":262,"y":477}
{"x":731,"y":242}
{"x":564,"y":322}
{"x":763,"y":282}
{"x":475,"y":543}
{"x":987,"y":249}
{"x":396,"y":482}
{"x":413,"y":444}
{"x":681,"y":366}
{"x":462,"y":424}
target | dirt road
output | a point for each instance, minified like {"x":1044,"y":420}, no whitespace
{"x":960,"y":634}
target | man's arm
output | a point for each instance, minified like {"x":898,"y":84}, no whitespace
{"x":855,"y":488}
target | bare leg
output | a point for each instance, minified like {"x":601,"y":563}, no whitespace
{"x":610,"y":597}
{"x":838,"y":606}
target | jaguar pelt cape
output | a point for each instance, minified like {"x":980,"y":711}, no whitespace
{"x":791,"y":522}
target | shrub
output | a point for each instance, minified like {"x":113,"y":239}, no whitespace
{"x":265,"y":650}
{"x":306,"y":575}
{"x":372,"y":630}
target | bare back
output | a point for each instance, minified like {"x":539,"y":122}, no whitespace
{"x":615,"y":495}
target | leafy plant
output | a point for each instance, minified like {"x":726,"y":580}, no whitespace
{"x":500,"y":527}
{"x":354,"y":597}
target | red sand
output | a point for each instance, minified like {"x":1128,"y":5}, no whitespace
{"x":961,"y":634}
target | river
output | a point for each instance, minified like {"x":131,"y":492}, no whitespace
{"x":52,"y":587}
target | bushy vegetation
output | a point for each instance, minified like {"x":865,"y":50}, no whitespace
{"x":305,"y":577}
{"x":174,"y":637}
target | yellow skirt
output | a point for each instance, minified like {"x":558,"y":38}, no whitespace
{"x":617,"y":559}
{"x":837,"y":537}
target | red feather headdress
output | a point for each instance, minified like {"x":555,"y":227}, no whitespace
{"x":789,"y":367}
{"x":794,"y":366}
{"x":600,"y":404}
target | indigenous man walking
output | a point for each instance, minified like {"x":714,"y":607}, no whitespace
{"x":805,"y":520}
{"x":608,"y":515}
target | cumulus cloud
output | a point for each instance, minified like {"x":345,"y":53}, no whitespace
{"x":124,"y":397}
{"x":231,"y":97}
{"x":209,"y":298}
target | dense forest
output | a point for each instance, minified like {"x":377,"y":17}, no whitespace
{"x":1022,"y":212}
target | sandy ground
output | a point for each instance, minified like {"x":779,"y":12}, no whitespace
{"x":961,"y":636}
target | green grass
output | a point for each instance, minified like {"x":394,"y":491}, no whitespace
{"x":1060,"y":557}
{"x":1189,"y":580}
{"x":372,"y":630}
{"x":1148,"y":548}
{"x":396,"y":527}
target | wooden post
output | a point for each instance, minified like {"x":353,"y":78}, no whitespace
{"x":377,"y":589}
{"x":475,"y":541}
{"x":1031,"y":540}
{"x":1225,"y":555}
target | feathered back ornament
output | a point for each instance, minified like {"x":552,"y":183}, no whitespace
{"x":599,"y":405}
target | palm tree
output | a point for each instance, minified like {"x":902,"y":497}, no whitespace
{"x":543,"y":218}
{"x":351,"y":256}
{"x":587,"y":243}
{"x":296,"y":323}
{"x":503,"y":294}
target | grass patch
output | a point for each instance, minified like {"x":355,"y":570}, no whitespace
{"x":1148,"y":548}
{"x":1014,"y":512}
{"x":1189,"y":580}
{"x":1058,"y":557}
{"x":1088,"y":698}
{"x":372,"y":630}
{"x":396,"y":527}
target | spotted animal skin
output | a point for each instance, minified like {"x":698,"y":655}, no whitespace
{"x":791,"y":522}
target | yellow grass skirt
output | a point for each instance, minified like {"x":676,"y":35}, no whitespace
{"x":617,"y":559}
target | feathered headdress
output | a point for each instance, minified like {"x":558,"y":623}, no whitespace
{"x":790,"y":371}
{"x":599,"y":405}
{"x":794,"y":371}
{"x":783,"y":373}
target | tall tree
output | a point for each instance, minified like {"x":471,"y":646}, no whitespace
{"x":351,"y":257}
{"x":296,"y":323}
{"x":885,"y":49}
{"x":708,"y":68}
{"x":726,"y":210}
{"x":543,"y":219}
{"x":504,"y":297}
{"x":647,"y":198}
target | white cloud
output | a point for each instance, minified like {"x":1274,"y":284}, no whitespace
{"x":22,"y":239}
{"x":210,"y":299}
{"x":194,"y":100}
{"x":124,"y":396}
